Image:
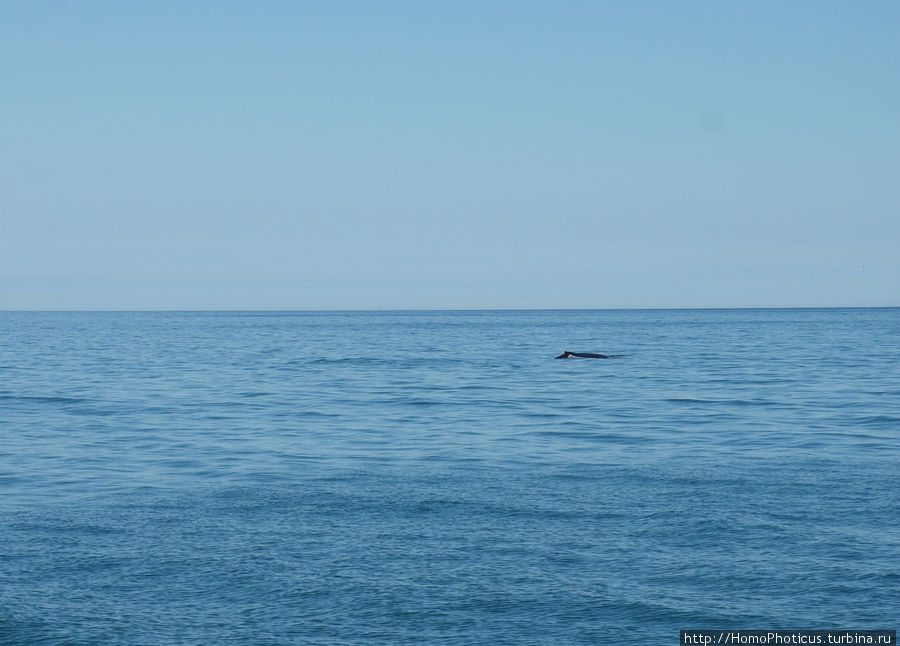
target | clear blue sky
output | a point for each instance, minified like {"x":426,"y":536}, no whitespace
{"x":501,"y":154}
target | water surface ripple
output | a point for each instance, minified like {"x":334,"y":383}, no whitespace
{"x":439,"y":478}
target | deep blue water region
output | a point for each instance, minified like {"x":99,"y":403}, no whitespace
{"x":438,"y":478}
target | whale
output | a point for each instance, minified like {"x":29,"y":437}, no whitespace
{"x":586,"y":355}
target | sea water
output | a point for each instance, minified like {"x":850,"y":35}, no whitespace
{"x":439,"y":478}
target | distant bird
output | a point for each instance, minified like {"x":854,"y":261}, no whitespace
{"x":587,"y":355}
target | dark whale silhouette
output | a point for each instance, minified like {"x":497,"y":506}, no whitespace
{"x":587,"y":355}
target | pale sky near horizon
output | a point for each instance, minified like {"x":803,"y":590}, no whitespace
{"x":453,"y":155}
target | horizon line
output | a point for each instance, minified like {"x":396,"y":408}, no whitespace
{"x":464,"y":309}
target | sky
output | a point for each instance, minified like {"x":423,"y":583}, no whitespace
{"x":331,"y":154}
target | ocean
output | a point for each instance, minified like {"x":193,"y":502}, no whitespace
{"x":428,"y":477}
